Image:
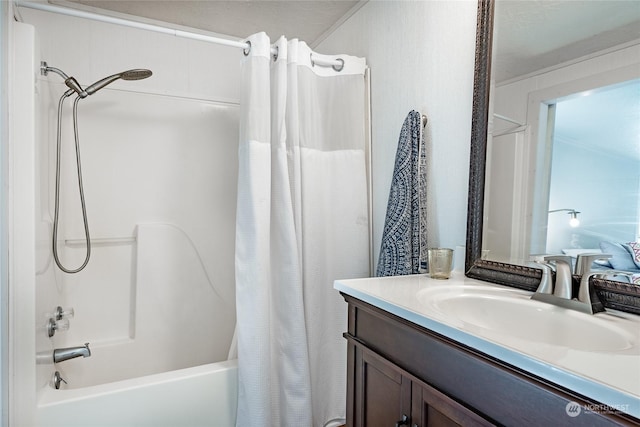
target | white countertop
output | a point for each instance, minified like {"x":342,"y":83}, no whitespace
{"x":612,"y":378}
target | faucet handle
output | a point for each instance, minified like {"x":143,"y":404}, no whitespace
{"x":558,"y":259}
{"x":64,"y":313}
{"x":584,"y":261}
{"x":57,"y":325}
{"x":57,"y":380}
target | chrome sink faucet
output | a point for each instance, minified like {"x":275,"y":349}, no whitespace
{"x":563,"y":284}
{"x":62,"y":354}
{"x":560,"y":293}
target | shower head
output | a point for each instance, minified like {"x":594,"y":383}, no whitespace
{"x":136,"y":74}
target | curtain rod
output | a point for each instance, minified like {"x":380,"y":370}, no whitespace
{"x":158,"y":29}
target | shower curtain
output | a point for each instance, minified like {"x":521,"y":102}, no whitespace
{"x":301,"y":223}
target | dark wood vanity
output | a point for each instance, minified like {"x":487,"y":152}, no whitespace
{"x":400,"y":373}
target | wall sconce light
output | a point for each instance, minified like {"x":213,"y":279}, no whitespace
{"x":573,"y":221}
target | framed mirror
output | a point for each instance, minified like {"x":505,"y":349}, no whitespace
{"x":533,"y":206}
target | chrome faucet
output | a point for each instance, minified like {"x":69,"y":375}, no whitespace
{"x":560,"y":292}
{"x":62,"y":354}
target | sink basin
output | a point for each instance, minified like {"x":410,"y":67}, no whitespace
{"x":497,"y":313}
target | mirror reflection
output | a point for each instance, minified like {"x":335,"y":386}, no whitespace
{"x":563,"y":159}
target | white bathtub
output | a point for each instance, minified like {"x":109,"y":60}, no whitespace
{"x":201,"y":396}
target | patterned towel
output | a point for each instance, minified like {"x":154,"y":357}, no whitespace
{"x":404,"y":241}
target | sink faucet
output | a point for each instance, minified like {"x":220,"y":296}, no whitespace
{"x":62,"y":354}
{"x":560,"y":293}
{"x":562,"y":287}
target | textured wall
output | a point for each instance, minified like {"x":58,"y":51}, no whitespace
{"x":421,"y":55}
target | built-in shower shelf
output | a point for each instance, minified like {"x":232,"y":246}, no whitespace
{"x":101,"y":241}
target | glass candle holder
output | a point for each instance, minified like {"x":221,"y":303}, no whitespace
{"x":440,"y":262}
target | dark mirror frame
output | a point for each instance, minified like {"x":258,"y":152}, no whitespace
{"x":616,"y":295}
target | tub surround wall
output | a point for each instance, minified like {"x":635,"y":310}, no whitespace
{"x":21,"y":217}
{"x":179,"y":318}
{"x":159,"y":173}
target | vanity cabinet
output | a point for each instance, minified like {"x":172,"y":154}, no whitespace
{"x":386,"y":395}
{"x":400,"y":373}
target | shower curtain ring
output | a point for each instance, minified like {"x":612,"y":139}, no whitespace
{"x":247,"y":49}
{"x":275,"y":54}
{"x":340,"y":66}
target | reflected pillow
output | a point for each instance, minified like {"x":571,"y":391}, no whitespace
{"x":620,"y":257}
{"x":634,"y":250}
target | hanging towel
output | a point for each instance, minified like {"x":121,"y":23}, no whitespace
{"x":404,"y":247}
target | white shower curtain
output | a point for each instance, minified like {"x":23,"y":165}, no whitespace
{"x":301,"y":223}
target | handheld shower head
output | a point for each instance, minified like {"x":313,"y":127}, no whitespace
{"x":136,"y":74}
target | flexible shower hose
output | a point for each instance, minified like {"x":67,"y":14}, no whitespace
{"x":57,"y":198}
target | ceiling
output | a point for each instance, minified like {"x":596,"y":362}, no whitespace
{"x":308,"y":20}
{"x":536,"y":34}
{"x":530,"y":34}
{"x":605,"y":120}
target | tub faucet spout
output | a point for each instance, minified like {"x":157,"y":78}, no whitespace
{"x":62,"y":354}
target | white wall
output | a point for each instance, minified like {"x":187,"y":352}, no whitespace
{"x":156,"y":151}
{"x":421,"y":55}
{"x":4,"y":276}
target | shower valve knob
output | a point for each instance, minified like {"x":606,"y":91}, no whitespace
{"x":57,"y":325}
{"x":64,"y":313}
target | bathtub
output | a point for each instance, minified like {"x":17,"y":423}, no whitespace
{"x":200,"y":396}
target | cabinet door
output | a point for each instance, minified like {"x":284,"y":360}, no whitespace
{"x":384,"y":393}
{"x":431,"y":408}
